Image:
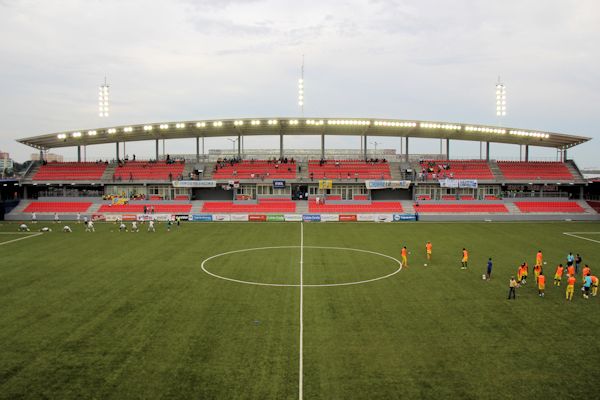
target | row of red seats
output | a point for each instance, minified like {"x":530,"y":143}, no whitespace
{"x":256,"y":169}
{"x":57,"y":207}
{"x":458,"y":169}
{"x":342,"y":169}
{"x":461,"y":208}
{"x":535,"y":170}
{"x":140,"y":170}
{"x":73,"y":171}
{"x":139,"y":208}
{"x":231,"y":207}
{"x":374,"y":207}
{"x":549,"y":206}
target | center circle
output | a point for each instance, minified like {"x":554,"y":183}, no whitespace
{"x":251,"y":282}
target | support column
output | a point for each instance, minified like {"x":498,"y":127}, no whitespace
{"x":124,"y":151}
{"x":117,"y":145}
{"x":581,"y":193}
{"x":564,"y":155}
{"x":41,"y":155}
{"x":280,"y":144}
{"x":322,"y":145}
{"x":487,"y":151}
{"x":239,"y":146}
{"x":447,"y":149}
{"x":406,"y":148}
{"x":526,"y":152}
{"x":197,"y":149}
{"x":203,"y":147}
{"x":78,"y":153}
{"x":365,"y":146}
{"x":156,"y":149}
{"x":84,"y":153}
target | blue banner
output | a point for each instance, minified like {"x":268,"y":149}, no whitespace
{"x":404,"y":217}
{"x":311,"y":217}
{"x":278,"y":184}
{"x":202,"y":217}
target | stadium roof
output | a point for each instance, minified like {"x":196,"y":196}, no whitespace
{"x":304,"y":126}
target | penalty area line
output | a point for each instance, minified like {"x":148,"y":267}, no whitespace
{"x":576,"y":235}
{"x":29,"y":236}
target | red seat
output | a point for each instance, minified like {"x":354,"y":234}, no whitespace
{"x":57,"y":207}
{"x":461,"y":208}
{"x":349,"y":169}
{"x":549,"y":207}
{"x":373,"y":207}
{"x":535,"y":170}
{"x":139,"y":208}
{"x":457,"y":169}
{"x":141,"y":170}
{"x":70,"y":171}
{"x":263,"y":205}
{"x":256,"y":169}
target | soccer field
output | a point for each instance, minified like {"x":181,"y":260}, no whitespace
{"x":283,"y":310}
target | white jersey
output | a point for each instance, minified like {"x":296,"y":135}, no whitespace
{"x":78,"y":217}
{"x":56,"y":217}
{"x":122,"y":226}
{"x":33,"y":216}
{"x":67,"y":228}
{"x":134,"y":225}
{"x":151,"y":224}
{"x":23,"y":227}
{"x":46,"y":229}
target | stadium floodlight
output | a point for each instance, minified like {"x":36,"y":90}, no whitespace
{"x":500,"y":99}
{"x":180,"y":125}
{"x":61,"y":136}
{"x":112,"y":130}
{"x":164,"y":126}
{"x":147,"y":127}
{"x":76,"y":134}
{"x":128,"y":129}
{"x":103,"y":93}
{"x":91,"y":133}
{"x":200,"y":124}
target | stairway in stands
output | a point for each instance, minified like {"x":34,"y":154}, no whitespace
{"x":109,"y":172}
{"x":301,"y":206}
{"x":408,"y":207}
{"x":512,"y":209}
{"x":578,"y":176}
{"x":498,"y":175}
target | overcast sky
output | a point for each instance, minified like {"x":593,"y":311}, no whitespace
{"x":186,"y":60}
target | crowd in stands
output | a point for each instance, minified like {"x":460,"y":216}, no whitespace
{"x":372,"y":168}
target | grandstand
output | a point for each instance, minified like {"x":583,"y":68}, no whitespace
{"x":345,"y":181}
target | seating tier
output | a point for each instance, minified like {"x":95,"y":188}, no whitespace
{"x":57,"y":207}
{"x":70,"y":171}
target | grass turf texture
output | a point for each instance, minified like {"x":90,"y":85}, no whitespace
{"x":132,"y":315}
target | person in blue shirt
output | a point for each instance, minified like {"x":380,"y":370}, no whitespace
{"x":570,"y":259}
{"x":587,"y":284}
{"x":489,"y":269}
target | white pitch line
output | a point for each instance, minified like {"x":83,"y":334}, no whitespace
{"x":573,"y":234}
{"x":22,"y":238}
{"x":301,"y":365}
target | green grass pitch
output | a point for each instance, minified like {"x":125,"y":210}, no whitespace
{"x":115,"y":315}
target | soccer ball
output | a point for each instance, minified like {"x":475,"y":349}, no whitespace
{"x":424,"y":265}
{"x":483,"y":277}
{"x":545,"y":263}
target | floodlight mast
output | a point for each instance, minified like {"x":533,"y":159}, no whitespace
{"x":301,"y":88}
{"x":103,"y":99}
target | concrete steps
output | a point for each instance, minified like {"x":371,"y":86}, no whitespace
{"x":301,"y":207}
{"x":498,"y":175}
{"x":109,"y":172}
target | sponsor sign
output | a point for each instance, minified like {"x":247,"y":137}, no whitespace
{"x":162,"y":217}
{"x":221,"y":218}
{"x":278,"y":184}
{"x":194,"y":184}
{"x":234,"y":184}
{"x":458,"y":183}
{"x":404,"y":217}
{"x":275,"y":218}
{"x":325,"y":184}
{"x":293,"y":217}
{"x":182,"y":217}
{"x":202,"y":217}
{"x":257,"y":217}
{"x":311,"y":217}
{"x":144,"y":217}
{"x":330,"y":217}
{"x":239,"y":217}
{"x":384,"y":217}
{"x":129,"y":217}
{"x":365,"y":217}
{"x":112,"y":217}
{"x":98,"y":217}
{"x":382,"y":184}
{"x":347,"y":217}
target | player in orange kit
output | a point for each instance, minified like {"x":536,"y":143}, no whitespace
{"x":465,"y":259}
{"x":570,"y":287}
{"x":558,"y":274}
{"x":539,"y":258}
{"x":404,"y":254}
{"x":594,"y":285}
{"x":428,"y":250}
{"x":541,"y":281}
{"x":586,"y":271}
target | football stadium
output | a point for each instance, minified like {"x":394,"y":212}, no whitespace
{"x":375,"y":269}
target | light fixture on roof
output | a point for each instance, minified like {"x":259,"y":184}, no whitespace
{"x":103,"y":99}
{"x":76,"y":134}
{"x":272,"y":122}
{"x":112,"y":130}
{"x":91,"y":133}
{"x":293,"y":122}
{"x":147,"y":127}
{"x":180,"y":125}
{"x":128,"y":129}
{"x":61,"y":136}
{"x":200,"y":124}
{"x":255,"y":122}
{"x":238,"y":123}
{"x":164,"y":126}
{"x":217,"y":124}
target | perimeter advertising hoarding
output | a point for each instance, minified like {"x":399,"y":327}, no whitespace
{"x":458,"y":183}
{"x":348,"y":217}
{"x":365,"y":217}
{"x":129,"y":217}
{"x":330,"y":217}
{"x":257,"y":217}
{"x":275,"y":218}
{"x":382,"y":184}
{"x":384,"y":218}
{"x":311,"y":217}
{"x":404,"y":217}
{"x":144,"y":217}
{"x":202,"y":217}
{"x":182,"y":217}
{"x":293,"y":217}
{"x":98,"y":217}
{"x":112,"y":217}
{"x":194,"y":184}
{"x":239,"y":217}
{"x":163,"y":217}
{"x":221,"y":218}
